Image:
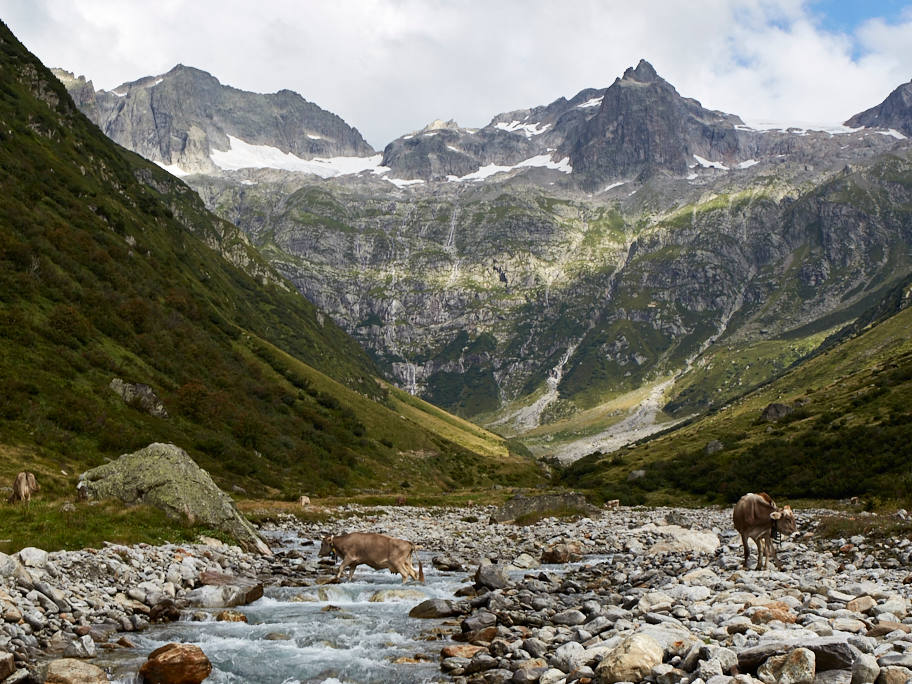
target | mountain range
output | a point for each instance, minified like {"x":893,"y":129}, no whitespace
{"x":563,"y":257}
{"x":131,"y":314}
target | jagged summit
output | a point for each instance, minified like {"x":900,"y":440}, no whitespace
{"x":181,"y":118}
{"x":643,"y":73}
{"x":441,"y":125}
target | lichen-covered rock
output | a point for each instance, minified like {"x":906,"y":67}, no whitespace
{"x":796,"y":667}
{"x":164,"y":476}
{"x":521,"y":505}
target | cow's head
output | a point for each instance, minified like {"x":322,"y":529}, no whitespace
{"x":784,"y":520}
{"x":326,"y":546}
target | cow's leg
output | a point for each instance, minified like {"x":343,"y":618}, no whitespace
{"x":758,"y":541}
{"x":763,"y":548}
{"x":351,"y":571}
{"x":744,"y":541}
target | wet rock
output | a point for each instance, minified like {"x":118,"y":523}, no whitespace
{"x":176,"y":664}
{"x":460,"y":651}
{"x":384,"y":595}
{"x":447,"y":563}
{"x":434,"y":608}
{"x":225,"y":596}
{"x":231,"y":616}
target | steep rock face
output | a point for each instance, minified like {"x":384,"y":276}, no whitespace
{"x":643,"y":125}
{"x":479,"y":295}
{"x":895,"y":112}
{"x":179,"y":118}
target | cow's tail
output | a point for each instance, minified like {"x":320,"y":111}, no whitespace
{"x":414,"y":552}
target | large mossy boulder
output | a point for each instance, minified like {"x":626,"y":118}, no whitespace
{"x":164,"y":476}
{"x":543,"y":504}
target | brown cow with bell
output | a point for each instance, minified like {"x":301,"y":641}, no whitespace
{"x":376,"y":550}
{"x":757,"y":517}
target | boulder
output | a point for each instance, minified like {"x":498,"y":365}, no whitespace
{"x":139,"y":396}
{"x":713,"y":447}
{"x":774,"y":412}
{"x":71,"y":671}
{"x":830,"y":653}
{"x":7,"y":665}
{"x":8,"y":565}
{"x":434,"y":608}
{"x":894,"y":674}
{"x":796,"y":667}
{"x":384,"y":595}
{"x":630,"y":661}
{"x":543,"y":504}
{"x":224,"y":595}
{"x":231,"y":616}
{"x":176,"y":664}
{"x":562,"y":553}
{"x":32,"y":557}
{"x":492,"y":576}
{"x":164,"y":476}
{"x":681,"y":539}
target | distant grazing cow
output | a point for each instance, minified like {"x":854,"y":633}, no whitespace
{"x":376,"y":550}
{"x":23,"y":488}
{"x":757,"y":517}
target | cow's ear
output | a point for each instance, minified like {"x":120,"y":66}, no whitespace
{"x":775,"y":515}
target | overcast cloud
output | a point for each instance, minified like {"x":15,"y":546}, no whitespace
{"x":388,"y":67}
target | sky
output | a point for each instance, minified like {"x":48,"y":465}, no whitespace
{"x":389,"y":67}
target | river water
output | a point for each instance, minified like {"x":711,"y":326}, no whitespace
{"x":336,"y":635}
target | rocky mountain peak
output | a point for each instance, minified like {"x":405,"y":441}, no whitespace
{"x":441,"y":125}
{"x":895,"y":112}
{"x":643,"y":73}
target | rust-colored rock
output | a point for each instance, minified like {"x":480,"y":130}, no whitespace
{"x":460,"y":651}
{"x":176,"y":664}
{"x":231,"y":616}
{"x":776,"y":610}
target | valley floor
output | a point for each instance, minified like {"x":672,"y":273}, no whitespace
{"x":669,"y":578}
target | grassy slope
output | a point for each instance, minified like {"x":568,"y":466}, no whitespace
{"x":848,"y":435}
{"x":110,"y":267}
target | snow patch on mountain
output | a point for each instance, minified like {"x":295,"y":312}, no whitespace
{"x":529,"y":129}
{"x":705,"y":163}
{"x":541,"y":160}
{"x":594,"y":102}
{"x":174,"y":169}
{"x":243,"y":155}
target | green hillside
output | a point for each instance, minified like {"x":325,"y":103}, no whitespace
{"x":848,"y":433}
{"x":112,"y":268}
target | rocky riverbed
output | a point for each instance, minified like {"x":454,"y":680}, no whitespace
{"x":654,"y":595}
